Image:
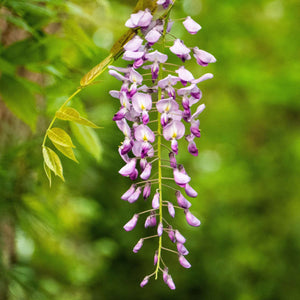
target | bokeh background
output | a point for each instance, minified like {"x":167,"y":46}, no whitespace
{"x":67,"y":242}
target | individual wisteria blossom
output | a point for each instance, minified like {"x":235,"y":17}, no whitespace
{"x":165,"y":3}
{"x":157,"y":58}
{"x":203,"y":58}
{"x":191,"y":26}
{"x":181,"y":50}
{"x":159,"y":108}
{"x":139,"y":19}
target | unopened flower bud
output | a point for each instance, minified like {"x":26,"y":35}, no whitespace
{"x":171,"y":209}
{"x":131,"y":223}
{"x":138,"y":246}
{"x":191,"y":219}
{"x":155,"y":201}
{"x":181,"y":249}
{"x":145,"y":281}
{"x":129,"y":192}
{"x":183,"y":261}
{"x":160,"y":229}
{"x":179,"y":237}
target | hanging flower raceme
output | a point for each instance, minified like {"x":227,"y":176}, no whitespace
{"x":156,"y":112}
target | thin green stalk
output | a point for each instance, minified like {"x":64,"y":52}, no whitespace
{"x":159,"y":152}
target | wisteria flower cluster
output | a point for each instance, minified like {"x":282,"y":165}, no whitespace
{"x":153,"y":117}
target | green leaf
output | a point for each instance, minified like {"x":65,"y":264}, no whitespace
{"x":71,"y":114}
{"x":87,"y":137}
{"x":60,"y":137}
{"x":67,"y":151}
{"x":48,"y":173}
{"x":20,"y":23}
{"x":19,"y":99}
{"x":25,"y":52}
{"x":53,"y":162}
{"x":6,"y":67}
{"x":96,"y":71}
{"x":37,"y":10}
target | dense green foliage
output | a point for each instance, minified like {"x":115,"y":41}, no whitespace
{"x":69,"y":239}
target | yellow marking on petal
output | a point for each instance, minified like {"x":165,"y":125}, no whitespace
{"x":167,"y":108}
{"x":142,"y":106}
{"x":145,"y":138}
{"x":174,"y":135}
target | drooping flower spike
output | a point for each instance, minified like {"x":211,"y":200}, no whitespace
{"x":155,"y":117}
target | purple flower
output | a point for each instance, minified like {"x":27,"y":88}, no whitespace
{"x":179,"y":237}
{"x":150,"y":220}
{"x":171,"y":234}
{"x":134,"y":175}
{"x":171,"y":209}
{"x":155,"y":258}
{"x":131,"y":223}
{"x":182,"y":202}
{"x":203,"y":77}
{"x":139,"y":19}
{"x":152,"y":36}
{"x":129,"y":192}
{"x":117,"y":75}
{"x":184,"y":75}
{"x":199,"y":110}
{"x":195,"y":128}
{"x":174,"y":131}
{"x":191,"y":219}
{"x":183,"y":261}
{"x":191,"y":26}
{"x":192,"y":90}
{"x":190,"y":191}
{"x":165,"y":274}
{"x":136,"y":111}
{"x":172,"y":158}
{"x":180,"y":50}
{"x":147,"y":172}
{"x":132,"y":198}
{"x":155,"y":201}
{"x":156,"y":57}
{"x":142,"y":149}
{"x":145,"y":281}
{"x":142,"y":103}
{"x":192,"y":148}
{"x":180,"y":177}
{"x":167,"y":84}
{"x":160,"y":229}
{"x":133,"y":55}
{"x":203,"y":58}
{"x":167,"y":105}
{"x":147,"y":190}
{"x":181,"y":249}
{"x":170,"y":283}
{"x":165,"y":3}
{"x":128,"y":168}
{"x":138,"y":246}
{"x":124,"y":127}
{"x":134,"y":44}
{"x":144,"y":134}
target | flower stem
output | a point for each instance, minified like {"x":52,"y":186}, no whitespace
{"x":159,"y":150}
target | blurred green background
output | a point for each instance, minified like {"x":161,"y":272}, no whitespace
{"x":67,"y":242}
